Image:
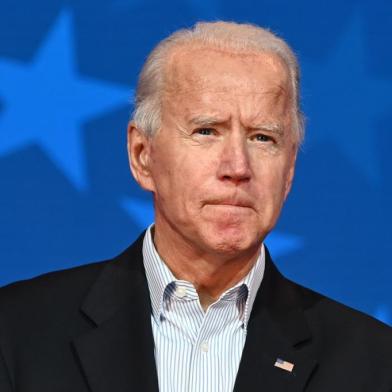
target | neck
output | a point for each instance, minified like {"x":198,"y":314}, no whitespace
{"x":211,"y":273}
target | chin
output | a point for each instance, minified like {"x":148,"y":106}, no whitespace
{"x":232,"y":240}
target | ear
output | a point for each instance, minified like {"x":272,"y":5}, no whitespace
{"x":291,"y":170}
{"x":139,"y":149}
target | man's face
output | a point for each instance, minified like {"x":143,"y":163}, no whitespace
{"x":222,"y":163}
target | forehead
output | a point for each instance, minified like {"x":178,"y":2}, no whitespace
{"x":203,"y":80}
{"x":192,"y":68}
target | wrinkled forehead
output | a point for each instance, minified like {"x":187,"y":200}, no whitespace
{"x":190,"y":68}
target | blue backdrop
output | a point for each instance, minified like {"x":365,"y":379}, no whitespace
{"x":67,"y":72}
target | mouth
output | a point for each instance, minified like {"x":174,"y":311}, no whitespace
{"x":229,"y":203}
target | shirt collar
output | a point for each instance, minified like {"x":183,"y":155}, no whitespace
{"x":158,"y":274}
{"x":159,"y":277}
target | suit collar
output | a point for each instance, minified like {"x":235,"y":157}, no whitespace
{"x":120,"y":281}
{"x":282,"y":301}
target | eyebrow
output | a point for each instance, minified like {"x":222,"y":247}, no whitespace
{"x":270,"y":127}
{"x":206,"y":120}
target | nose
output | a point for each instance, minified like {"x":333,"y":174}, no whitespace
{"x":234,"y":164}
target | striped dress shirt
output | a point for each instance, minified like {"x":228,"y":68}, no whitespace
{"x":197,"y":351}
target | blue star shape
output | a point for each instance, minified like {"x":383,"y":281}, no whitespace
{"x":46,"y":102}
{"x":344,"y":101}
{"x":142,"y":212}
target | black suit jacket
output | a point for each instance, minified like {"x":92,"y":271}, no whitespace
{"x":89,"y":329}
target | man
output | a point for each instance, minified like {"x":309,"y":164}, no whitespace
{"x":196,"y":304}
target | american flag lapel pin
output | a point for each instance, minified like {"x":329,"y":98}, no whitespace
{"x":281,"y":364}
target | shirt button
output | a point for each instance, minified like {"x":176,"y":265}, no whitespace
{"x":204,"y":347}
{"x":181,"y":291}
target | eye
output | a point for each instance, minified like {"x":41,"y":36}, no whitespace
{"x":205,"y":131}
{"x":260,"y":137}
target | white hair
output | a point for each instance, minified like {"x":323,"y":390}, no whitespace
{"x":230,"y":36}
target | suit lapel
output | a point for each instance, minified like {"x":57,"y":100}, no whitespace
{"x":118,"y":353}
{"x":277,"y":329}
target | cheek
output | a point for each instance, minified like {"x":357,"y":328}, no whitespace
{"x":271,"y":182}
{"x":175,"y":180}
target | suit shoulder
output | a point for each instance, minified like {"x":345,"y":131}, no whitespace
{"x":50,"y":289}
{"x":57,"y":295}
{"x":343,"y":321}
